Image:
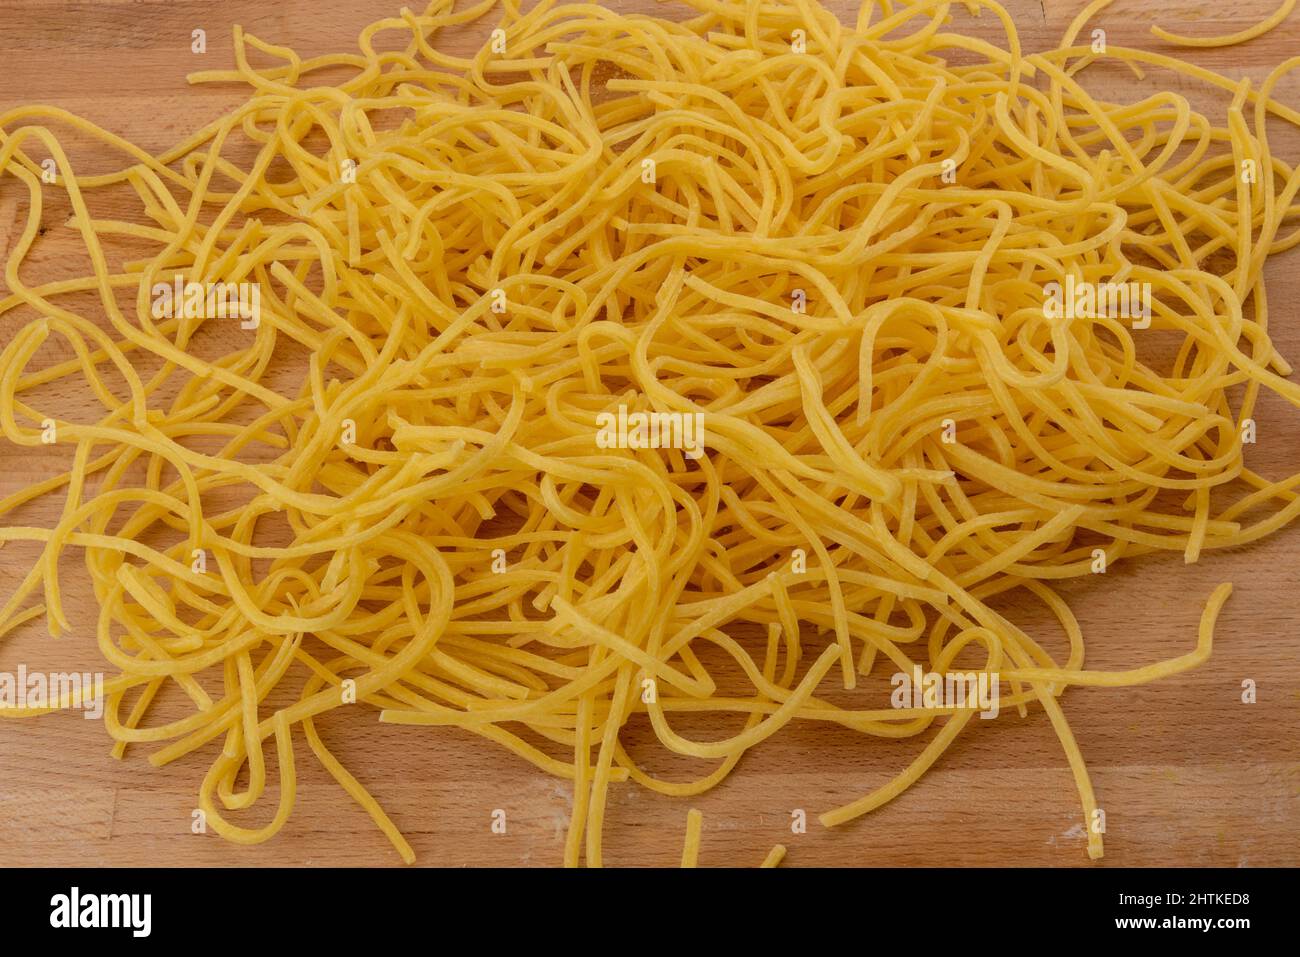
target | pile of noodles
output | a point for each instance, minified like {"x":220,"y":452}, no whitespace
{"x":834,"y":244}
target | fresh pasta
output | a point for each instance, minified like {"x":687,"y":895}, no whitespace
{"x":645,"y":368}
{"x":1241,"y":36}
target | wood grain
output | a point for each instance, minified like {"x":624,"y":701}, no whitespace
{"x":1187,"y":774}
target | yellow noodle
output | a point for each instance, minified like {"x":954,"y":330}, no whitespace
{"x":774,"y":857}
{"x":1241,"y":36}
{"x":691,"y":849}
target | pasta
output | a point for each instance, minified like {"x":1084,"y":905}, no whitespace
{"x":836,"y":247}
{"x":774,"y":857}
{"x":691,"y":850}
{"x":1250,"y":33}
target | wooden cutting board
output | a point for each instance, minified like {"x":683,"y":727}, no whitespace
{"x":1187,"y":773}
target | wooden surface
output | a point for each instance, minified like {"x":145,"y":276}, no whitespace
{"x":1187,"y":773}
